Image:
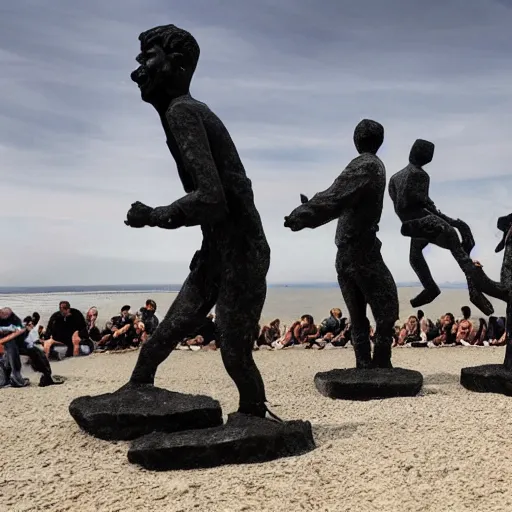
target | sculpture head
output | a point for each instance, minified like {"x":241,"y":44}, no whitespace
{"x":504,"y":225}
{"x":368,"y":136}
{"x":422,"y":152}
{"x":168,"y":58}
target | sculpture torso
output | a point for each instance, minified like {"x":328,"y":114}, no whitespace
{"x":360,"y":221}
{"x":243,"y":216}
{"x":409,"y":190}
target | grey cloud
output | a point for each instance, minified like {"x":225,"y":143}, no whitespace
{"x":289,"y":79}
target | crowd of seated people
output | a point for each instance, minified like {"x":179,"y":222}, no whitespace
{"x":449,"y":331}
{"x":68,"y":334}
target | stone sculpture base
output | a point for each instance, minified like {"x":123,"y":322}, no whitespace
{"x":368,"y":384}
{"x":243,"y":439}
{"x":132,"y":412}
{"x":487,"y":378}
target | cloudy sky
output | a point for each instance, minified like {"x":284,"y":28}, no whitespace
{"x":290,"y":79}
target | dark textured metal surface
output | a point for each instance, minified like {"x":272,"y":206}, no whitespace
{"x":356,"y":199}
{"x":425,"y":224}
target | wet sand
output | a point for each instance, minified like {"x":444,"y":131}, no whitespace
{"x":446,"y":450}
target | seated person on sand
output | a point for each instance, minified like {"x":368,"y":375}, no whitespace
{"x":341,"y":339}
{"x":67,"y":327}
{"x":203,"y":339}
{"x":481,"y":333}
{"x":119,"y":332}
{"x":332,"y":327}
{"x":269,"y":334}
{"x":498,"y":342}
{"x":299,"y":333}
{"x":466,"y":315}
{"x":410,"y":332}
{"x":495,"y":330}
{"x":31,"y":347}
{"x":147,"y":316}
{"x":465,"y":335}
{"x":447,"y":331}
{"x":91,"y":319}
{"x":11,"y":330}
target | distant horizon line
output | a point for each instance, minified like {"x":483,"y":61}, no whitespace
{"x":174,"y":287}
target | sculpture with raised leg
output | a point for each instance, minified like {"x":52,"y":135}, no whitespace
{"x":425,"y":224}
{"x":356,"y":199}
{"x":229,"y":272}
{"x":496,"y":378}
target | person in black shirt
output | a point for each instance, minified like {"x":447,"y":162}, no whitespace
{"x":148,"y":317}
{"x":68,"y":326}
{"x":122,"y":330}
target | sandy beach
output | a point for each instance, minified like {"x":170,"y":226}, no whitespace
{"x":448,"y":449}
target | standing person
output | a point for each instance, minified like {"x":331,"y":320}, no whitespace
{"x":356,"y":197}
{"x":68,"y":327}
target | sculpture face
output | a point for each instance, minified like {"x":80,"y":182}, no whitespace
{"x":422,"y":152}
{"x":154,"y":73}
{"x":368,"y":136}
{"x":504,"y":225}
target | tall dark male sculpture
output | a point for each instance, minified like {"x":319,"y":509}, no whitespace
{"x":424,"y":223}
{"x":497,"y":378}
{"x":356,"y":199}
{"x":229,"y":271}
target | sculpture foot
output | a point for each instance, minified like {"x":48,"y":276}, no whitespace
{"x":426,"y":296}
{"x":487,"y":378}
{"x":243,"y":439}
{"x":138,"y":409}
{"x":481,"y":302}
{"x":258,"y":409}
{"x":375,"y":383}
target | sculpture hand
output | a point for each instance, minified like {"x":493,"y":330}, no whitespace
{"x":292,"y":221}
{"x":468,"y":242}
{"x":138,"y":215}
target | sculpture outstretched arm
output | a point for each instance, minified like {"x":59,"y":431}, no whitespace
{"x":329,"y":204}
{"x":207,"y":203}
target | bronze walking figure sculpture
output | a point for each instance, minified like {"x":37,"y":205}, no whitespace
{"x":356,"y":199}
{"x":229,"y":272}
{"x":425,"y":224}
{"x":497,"y":378}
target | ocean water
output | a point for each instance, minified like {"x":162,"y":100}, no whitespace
{"x":285,"y":303}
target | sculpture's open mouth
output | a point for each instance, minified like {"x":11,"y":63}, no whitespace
{"x":141,"y":77}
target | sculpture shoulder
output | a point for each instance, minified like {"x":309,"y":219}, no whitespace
{"x":186,"y":107}
{"x":367,"y":164}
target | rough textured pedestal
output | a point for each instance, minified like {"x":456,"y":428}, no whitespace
{"x":133,"y":412}
{"x":243,"y":439}
{"x":487,"y":378}
{"x":367,"y":384}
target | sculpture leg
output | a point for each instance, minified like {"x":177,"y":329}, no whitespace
{"x":241,"y":297}
{"x":379,"y":289}
{"x":508,"y":336}
{"x":438,"y":232}
{"x":356,"y":305}
{"x":186,"y":315}
{"x":419,"y":265}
